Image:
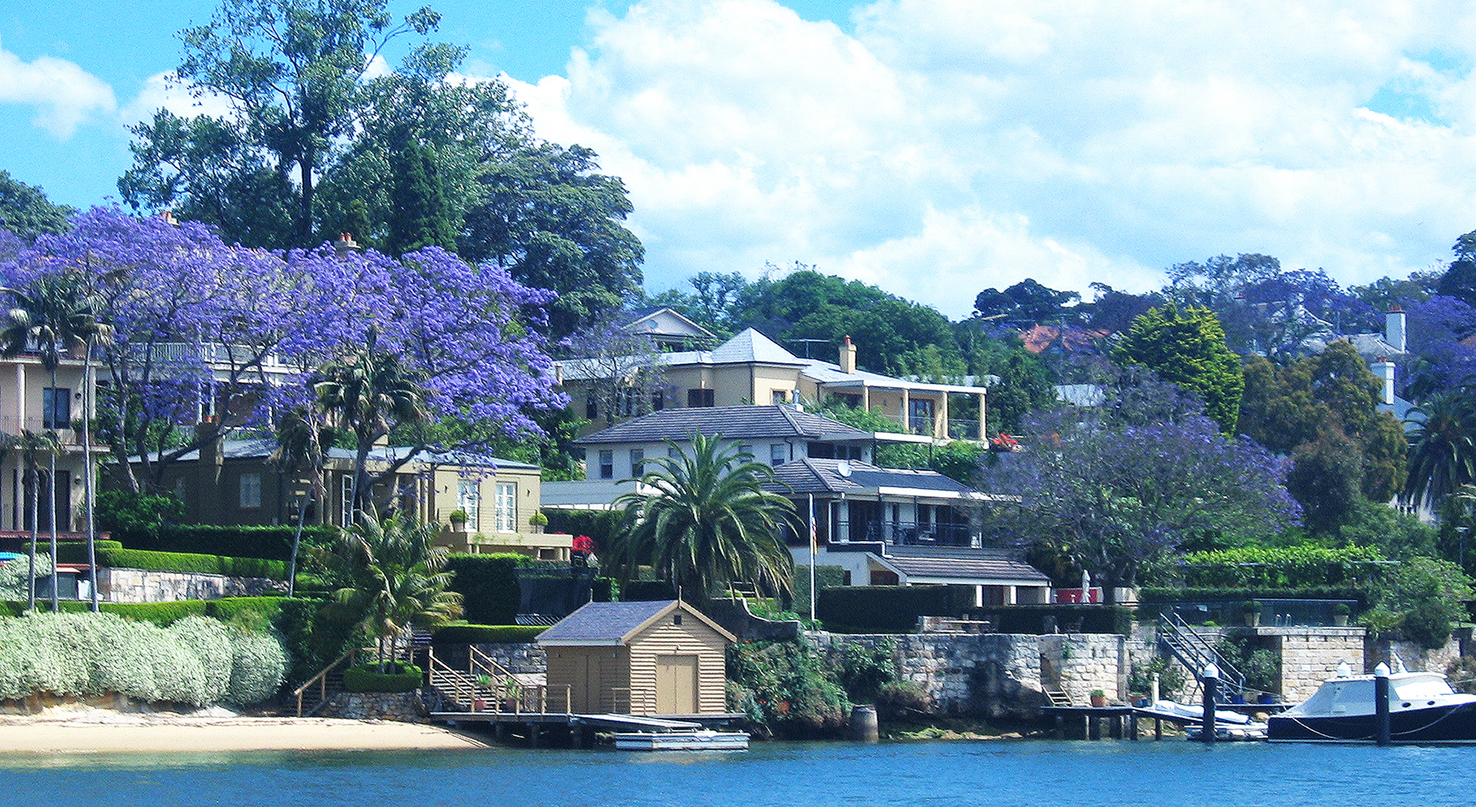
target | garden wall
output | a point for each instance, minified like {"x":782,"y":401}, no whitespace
{"x":147,"y":585}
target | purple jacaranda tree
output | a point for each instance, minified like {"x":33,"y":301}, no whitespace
{"x":1436,"y":360}
{"x":211,"y":338}
{"x":1114,"y":495}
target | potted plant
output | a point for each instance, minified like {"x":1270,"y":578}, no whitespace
{"x":479,"y":700}
{"x":1099,"y":698}
{"x":538,"y":521}
{"x":512,"y":695}
{"x":1341,"y":612}
{"x":1252,"y":611}
{"x":458,"y":520}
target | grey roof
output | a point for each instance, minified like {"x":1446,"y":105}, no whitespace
{"x":733,"y":422}
{"x":812,"y":475}
{"x":262,"y":447}
{"x":603,"y":622}
{"x":984,"y":567}
{"x":752,"y":346}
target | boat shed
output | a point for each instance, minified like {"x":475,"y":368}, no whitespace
{"x":648,"y":658}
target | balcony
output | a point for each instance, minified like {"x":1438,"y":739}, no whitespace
{"x":69,"y":436}
{"x":908,"y":533}
{"x":215,"y":355}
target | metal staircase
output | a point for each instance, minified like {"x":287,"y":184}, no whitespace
{"x":1195,"y":652}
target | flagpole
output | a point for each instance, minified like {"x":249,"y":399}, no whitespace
{"x":813,"y":550}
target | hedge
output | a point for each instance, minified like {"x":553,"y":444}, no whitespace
{"x":1032,"y":619}
{"x":888,"y":609}
{"x":69,"y":551}
{"x":605,"y":589}
{"x":487,"y":634}
{"x":368,"y":678}
{"x":601,"y":525}
{"x":488,"y":586}
{"x":189,"y":562}
{"x":647,"y":591}
{"x":272,"y":542}
{"x":825,"y":577}
{"x":1282,"y":567}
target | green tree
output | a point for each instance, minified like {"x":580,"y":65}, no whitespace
{"x":367,"y":393}
{"x":291,"y":71}
{"x":26,"y":212}
{"x":704,"y":520}
{"x":399,"y":577}
{"x":1024,"y":387}
{"x":554,"y":223}
{"x":1188,"y":348}
{"x":1422,"y":599}
{"x":420,"y":214}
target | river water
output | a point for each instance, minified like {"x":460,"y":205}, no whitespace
{"x":1027,"y":772}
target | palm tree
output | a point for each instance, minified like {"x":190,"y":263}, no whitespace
{"x":400,"y":578}
{"x":58,"y":314}
{"x":300,"y":447}
{"x":32,"y":445}
{"x":1442,"y":447}
{"x":704,"y":520}
{"x":369,"y":392}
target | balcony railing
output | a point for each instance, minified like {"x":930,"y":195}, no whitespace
{"x":214,"y":354}
{"x":14,"y":425}
{"x":910,"y":533}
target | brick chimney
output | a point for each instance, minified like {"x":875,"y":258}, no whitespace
{"x":1394,"y":327}
{"x":848,"y":356}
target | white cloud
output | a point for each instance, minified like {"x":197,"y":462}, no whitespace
{"x":63,"y":94}
{"x":949,"y":145}
{"x":165,"y":91}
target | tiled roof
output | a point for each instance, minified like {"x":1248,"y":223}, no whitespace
{"x":603,"y":622}
{"x":984,"y":567}
{"x":752,"y":346}
{"x":262,"y":448}
{"x":733,"y":422}
{"x":823,"y":476}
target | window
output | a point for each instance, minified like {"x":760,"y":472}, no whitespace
{"x":674,"y":453}
{"x":658,"y":401}
{"x":250,"y":491}
{"x":637,"y":462}
{"x":699,"y":397}
{"x":56,"y":408}
{"x":777,"y":454}
{"x":745,"y":451}
{"x":468,"y":500}
{"x":607,"y":464}
{"x":507,"y":506}
{"x":591,"y":408}
{"x":778,"y":397}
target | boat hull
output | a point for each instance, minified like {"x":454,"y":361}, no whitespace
{"x":682,"y":741}
{"x":1455,"y":723}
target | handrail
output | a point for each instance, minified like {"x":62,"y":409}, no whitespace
{"x":322,"y":679}
{"x":1199,"y":651}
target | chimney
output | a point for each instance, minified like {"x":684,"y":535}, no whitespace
{"x":346,"y":244}
{"x":848,"y":357}
{"x":1384,"y":369}
{"x":1394,"y":327}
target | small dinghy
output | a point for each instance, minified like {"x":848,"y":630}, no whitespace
{"x":685,"y":740}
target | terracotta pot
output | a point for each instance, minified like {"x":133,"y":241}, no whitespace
{"x":1099,"y":701}
{"x":1340,"y":620}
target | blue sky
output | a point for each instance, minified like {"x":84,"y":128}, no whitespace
{"x":931,"y":147}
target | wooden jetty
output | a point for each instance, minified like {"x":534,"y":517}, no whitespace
{"x":532,"y":726}
{"x":1123,"y":722}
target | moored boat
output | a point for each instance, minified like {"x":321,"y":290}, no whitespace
{"x":1422,"y":709}
{"x":694,"y":740}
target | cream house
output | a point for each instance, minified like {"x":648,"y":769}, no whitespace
{"x":751,"y":369}
{"x":31,"y":402}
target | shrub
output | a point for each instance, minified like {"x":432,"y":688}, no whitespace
{"x":863,"y":671}
{"x":126,"y":513}
{"x":605,"y":589}
{"x":1422,"y":600}
{"x":15,"y":577}
{"x":647,"y":591}
{"x":96,"y":654}
{"x":192,"y":563}
{"x":258,"y":665}
{"x":368,"y":678}
{"x":487,"y":634}
{"x":785,"y":688}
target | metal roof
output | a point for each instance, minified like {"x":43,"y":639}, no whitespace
{"x":812,"y":475}
{"x":983,"y":567}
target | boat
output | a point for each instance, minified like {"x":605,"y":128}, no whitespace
{"x":1229,"y":726}
{"x":682,"y":740}
{"x":1422,"y":709}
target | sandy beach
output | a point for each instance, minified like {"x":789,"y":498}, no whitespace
{"x":88,"y":729}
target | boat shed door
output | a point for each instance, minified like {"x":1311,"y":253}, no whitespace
{"x":676,"y":685}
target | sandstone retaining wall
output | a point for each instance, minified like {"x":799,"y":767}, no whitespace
{"x":148,"y":585}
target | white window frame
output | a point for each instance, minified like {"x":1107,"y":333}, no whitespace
{"x":505,"y":506}
{"x":469,"y":501}
{"x":248,"y":489}
{"x":346,"y":501}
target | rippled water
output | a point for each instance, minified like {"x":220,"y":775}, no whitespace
{"x":828,"y":774}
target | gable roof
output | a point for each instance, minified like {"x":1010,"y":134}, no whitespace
{"x":664,"y":322}
{"x":616,"y":623}
{"x":733,"y":422}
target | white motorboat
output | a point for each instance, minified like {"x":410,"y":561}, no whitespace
{"x":682,"y":740}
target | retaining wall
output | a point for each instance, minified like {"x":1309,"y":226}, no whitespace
{"x":148,"y":585}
